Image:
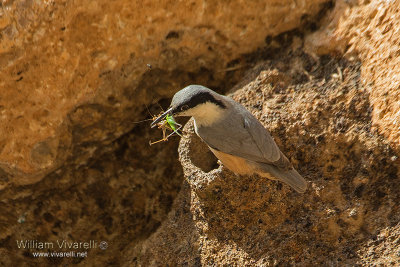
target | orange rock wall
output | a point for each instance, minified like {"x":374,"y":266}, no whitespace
{"x":58,"y":55}
{"x":369,"y":30}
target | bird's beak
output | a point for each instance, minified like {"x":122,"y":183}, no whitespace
{"x":160,"y":118}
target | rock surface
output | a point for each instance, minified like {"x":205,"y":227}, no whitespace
{"x":118,"y":198}
{"x":75,"y":72}
{"x":73,"y":166}
{"x":74,"y":76}
{"x":322,"y":121}
{"x":368,"y":30}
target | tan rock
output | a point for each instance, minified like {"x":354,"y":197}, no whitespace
{"x":253,"y":221}
{"x":368,"y":30}
{"x":58,"y":56}
{"x":75,"y":75}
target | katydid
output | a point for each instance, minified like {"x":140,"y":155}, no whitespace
{"x":170,"y":124}
{"x":171,"y":121}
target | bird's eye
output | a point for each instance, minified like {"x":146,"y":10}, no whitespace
{"x":184,"y":107}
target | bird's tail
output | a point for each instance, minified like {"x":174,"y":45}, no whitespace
{"x":290,"y":177}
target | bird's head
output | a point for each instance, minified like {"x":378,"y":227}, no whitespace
{"x":205,"y":105}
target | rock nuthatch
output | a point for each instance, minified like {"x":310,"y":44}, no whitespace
{"x":234,"y":135}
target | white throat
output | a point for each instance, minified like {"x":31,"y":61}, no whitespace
{"x":206,"y":114}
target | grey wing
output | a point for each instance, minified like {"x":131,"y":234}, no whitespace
{"x":247,"y":138}
{"x":262,"y":139}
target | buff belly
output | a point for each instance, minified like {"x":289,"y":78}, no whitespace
{"x":239,"y":165}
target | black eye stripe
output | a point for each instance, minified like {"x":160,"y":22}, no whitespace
{"x":201,"y":98}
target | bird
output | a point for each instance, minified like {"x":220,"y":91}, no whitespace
{"x":234,"y":135}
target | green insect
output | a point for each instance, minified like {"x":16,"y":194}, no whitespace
{"x":171,"y":122}
{"x":168,"y":123}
